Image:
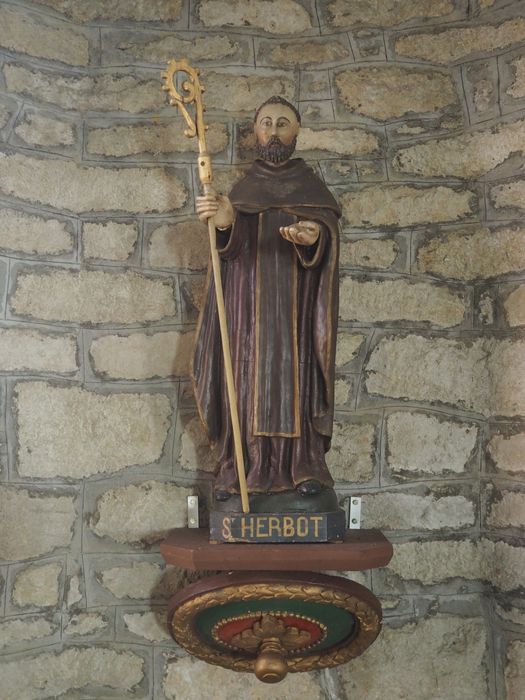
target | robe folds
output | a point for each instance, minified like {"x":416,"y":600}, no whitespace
{"x":281,"y":306}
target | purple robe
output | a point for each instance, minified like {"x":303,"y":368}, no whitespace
{"x":281,"y":306}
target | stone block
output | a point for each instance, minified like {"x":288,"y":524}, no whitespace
{"x":339,"y":172}
{"x":195,"y":450}
{"x":421,"y":443}
{"x":409,"y":511}
{"x":37,"y":586}
{"x":439,"y":561}
{"x":512,"y":80}
{"x":480,"y":81}
{"x":46,"y":130}
{"x":376,"y":301}
{"x":49,"y":674}
{"x":389,"y":92}
{"x":316,"y":112}
{"x":514,"y":615}
{"x":506,"y":452}
{"x":456,"y":44}
{"x":31,"y":234}
{"x":142,"y":356}
{"x":140,"y":513}
{"x":309,"y":52}
{"x":135,"y":580}
{"x":28,"y":33}
{"x":150,"y":625}
{"x":517,"y":89}
{"x":272,"y":16}
{"x":344,"y":392}
{"x":117,"y":579}
{"x":483,"y":375}
{"x":7,"y":109}
{"x":21,"y":631}
{"x":352,"y":457}
{"x":348,"y":347}
{"x":91,"y":296}
{"x":182,"y":245}
{"x":508,"y":564}
{"x":125,"y":47}
{"x":187,"y":678}
{"x":371,"y":170}
{"x":86,"y":624}
{"x":192,"y":289}
{"x":474,"y":252}
{"x":233,"y":92}
{"x":403,"y":205}
{"x":101,"y":92}
{"x":22,"y":513}
{"x":466,"y":156}
{"x":507,"y":510}
{"x":514,"y":306}
{"x":368,"y":45}
{"x":28,"y":350}
{"x":342,"y":14}
{"x":80,"y":11}
{"x":152,"y":138}
{"x":73,"y":590}
{"x":104,"y":432}
{"x":315,"y":85}
{"x":514,"y":669}
{"x":66,"y":185}
{"x":377,"y":253}
{"x":109,"y":240}
{"x":437,"y":657}
{"x":509,"y":195}
{"x":486,"y":308}
{"x":344,"y":142}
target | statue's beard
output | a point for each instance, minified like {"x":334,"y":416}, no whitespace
{"x":275,"y":150}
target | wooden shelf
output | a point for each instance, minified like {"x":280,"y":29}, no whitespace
{"x":360,"y":550}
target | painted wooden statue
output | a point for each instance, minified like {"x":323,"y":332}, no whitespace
{"x":263,"y":373}
{"x":277,"y":239}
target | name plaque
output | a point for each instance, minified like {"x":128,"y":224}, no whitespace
{"x":277,"y":527}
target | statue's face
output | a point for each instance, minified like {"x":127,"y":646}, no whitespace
{"x":276,"y":131}
{"x":276,"y":120}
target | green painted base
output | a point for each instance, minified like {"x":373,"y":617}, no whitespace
{"x":274,"y":623}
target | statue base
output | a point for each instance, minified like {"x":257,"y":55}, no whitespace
{"x":271,"y":614}
{"x":273,"y":624}
{"x":283,"y":517}
{"x":264,"y":528}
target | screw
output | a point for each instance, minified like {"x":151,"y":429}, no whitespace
{"x":354,"y":521}
{"x":355,"y":502}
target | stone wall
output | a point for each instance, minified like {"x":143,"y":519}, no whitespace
{"x":414,"y":114}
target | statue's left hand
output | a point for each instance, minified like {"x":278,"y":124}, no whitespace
{"x":302,"y":233}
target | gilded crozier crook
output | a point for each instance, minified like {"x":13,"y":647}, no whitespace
{"x":191,"y":93}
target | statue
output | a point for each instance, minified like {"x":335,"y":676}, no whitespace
{"x":263,"y":374}
{"x":277,"y":239}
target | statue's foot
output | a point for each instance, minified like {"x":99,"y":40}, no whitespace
{"x":222,"y":495}
{"x":311,"y":487}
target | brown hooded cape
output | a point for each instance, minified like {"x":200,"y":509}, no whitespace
{"x":281,"y":306}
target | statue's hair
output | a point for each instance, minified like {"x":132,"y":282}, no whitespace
{"x":278,"y":100}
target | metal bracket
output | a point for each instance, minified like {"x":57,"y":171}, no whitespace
{"x":355,"y":513}
{"x":193,"y":511}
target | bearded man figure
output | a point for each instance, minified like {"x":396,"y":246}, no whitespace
{"x":277,"y":237}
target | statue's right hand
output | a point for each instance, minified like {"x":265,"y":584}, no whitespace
{"x":217,"y":206}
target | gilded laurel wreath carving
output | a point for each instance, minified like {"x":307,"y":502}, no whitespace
{"x":367,"y":628}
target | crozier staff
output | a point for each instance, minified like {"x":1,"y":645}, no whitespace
{"x":277,"y":238}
